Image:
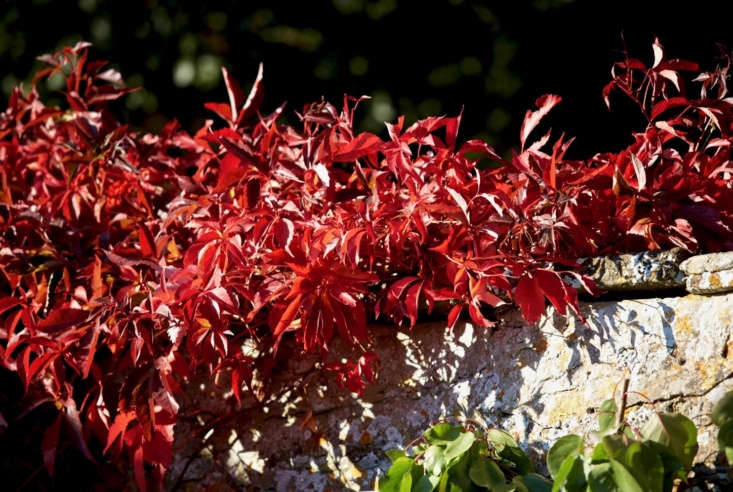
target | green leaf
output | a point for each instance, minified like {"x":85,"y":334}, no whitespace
{"x":570,"y":475}
{"x":601,"y":479}
{"x":508,"y":449}
{"x":458,"y":446}
{"x":624,"y":479}
{"x":725,"y":440}
{"x":486,"y":473}
{"x":723,"y":410}
{"x":426,"y":484}
{"x":442,"y":433}
{"x":565,"y":447}
{"x":607,"y":417}
{"x":393,"y":454}
{"x":676,"y":432}
{"x":443,"y":484}
{"x":458,"y":473}
{"x":673,"y":468}
{"x":433,"y":460}
{"x":406,"y":483}
{"x":599,"y":454}
{"x":615,"y":446}
{"x":532,"y":482}
{"x":392,"y":480}
{"x":646,"y":466}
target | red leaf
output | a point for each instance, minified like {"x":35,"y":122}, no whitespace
{"x":528,"y":296}
{"x":667,"y":104}
{"x":553,"y":288}
{"x":254,"y":99}
{"x":50,"y":443}
{"x":235,"y":93}
{"x":221,"y":109}
{"x":231,"y":170}
{"x":364,"y":143}
{"x":147,"y":243}
{"x":118,"y":428}
{"x":288,"y":316}
{"x":9,"y":303}
{"x":97,"y":284}
{"x":138,"y":467}
{"x":412,"y":299}
{"x":532,"y":118}
{"x":397,"y":288}
{"x":253,"y":193}
{"x":639,"y":171}
{"x":60,"y":319}
{"x":74,"y":424}
{"x":453,"y":316}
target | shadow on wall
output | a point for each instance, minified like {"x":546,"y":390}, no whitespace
{"x":539,"y":382}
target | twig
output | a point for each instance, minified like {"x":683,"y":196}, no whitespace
{"x":622,"y":407}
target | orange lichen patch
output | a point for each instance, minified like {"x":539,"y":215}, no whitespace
{"x":711,"y":371}
{"x":683,"y":326}
{"x":714,"y":280}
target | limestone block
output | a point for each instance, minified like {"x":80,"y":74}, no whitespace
{"x":538,"y":382}
{"x":710,"y":282}
{"x":713,"y":262}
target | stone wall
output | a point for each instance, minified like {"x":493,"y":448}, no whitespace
{"x":539,"y":382}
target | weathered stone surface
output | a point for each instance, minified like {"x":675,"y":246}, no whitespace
{"x":650,"y":270}
{"x":538,"y":382}
{"x":713,"y":262}
{"x":710,"y":282}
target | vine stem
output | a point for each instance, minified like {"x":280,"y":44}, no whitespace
{"x":622,"y":407}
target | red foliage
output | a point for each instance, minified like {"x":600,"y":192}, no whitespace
{"x":131,"y":262}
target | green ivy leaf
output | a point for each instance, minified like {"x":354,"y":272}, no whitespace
{"x":486,"y":473}
{"x":723,"y":410}
{"x":725,"y":439}
{"x":607,"y":417}
{"x":508,"y":450}
{"x":442,"y":433}
{"x":676,"y":432}
{"x":458,"y":446}
{"x":565,"y":447}
{"x":392,"y":480}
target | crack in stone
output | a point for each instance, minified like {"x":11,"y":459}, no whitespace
{"x":679,"y":396}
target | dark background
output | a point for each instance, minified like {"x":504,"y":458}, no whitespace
{"x":416,"y":58}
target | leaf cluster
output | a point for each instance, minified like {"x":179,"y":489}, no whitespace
{"x":467,"y":457}
{"x":134,"y":264}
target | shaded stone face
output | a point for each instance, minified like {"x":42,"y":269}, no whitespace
{"x":650,"y":270}
{"x":538,"y":382}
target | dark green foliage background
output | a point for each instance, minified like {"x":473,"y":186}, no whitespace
{"x":416,"y":58}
